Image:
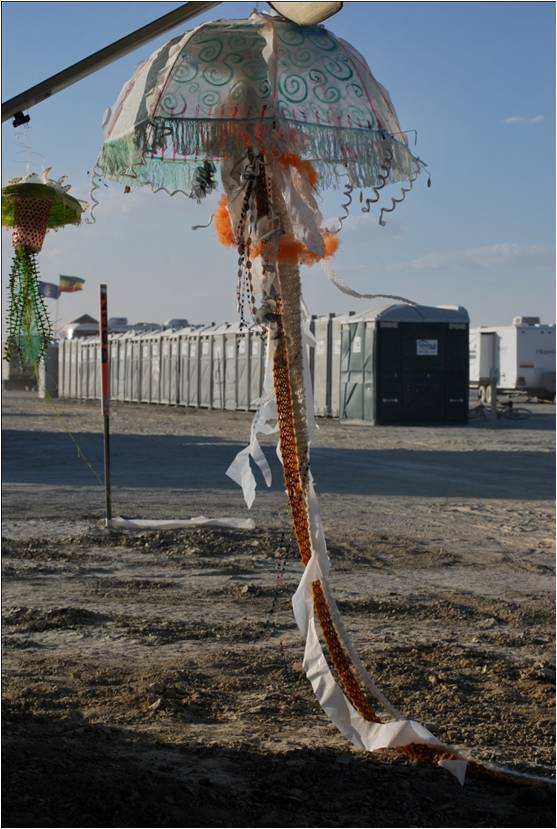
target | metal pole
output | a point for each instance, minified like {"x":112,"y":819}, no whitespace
{"x":105,"y":398}
{"x":56,"y":83}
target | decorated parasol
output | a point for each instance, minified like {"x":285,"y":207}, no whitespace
{"x":31,"y":205}
{"x":285,"y":111}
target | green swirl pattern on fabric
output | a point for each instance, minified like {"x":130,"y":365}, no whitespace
{"x":221,"y":73}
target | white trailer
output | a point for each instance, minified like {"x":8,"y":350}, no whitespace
{"x":517,"y":358}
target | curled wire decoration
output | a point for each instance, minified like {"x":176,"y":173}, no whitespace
{"x":96,"y":181}
{"x":347,"y":194}
{"x":383,"y":178}
{"x":201,"y":227}
{"x":394,"y":202}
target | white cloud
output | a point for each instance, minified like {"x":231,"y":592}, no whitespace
{"x":486,"y":256}
{"x":522,"y":119}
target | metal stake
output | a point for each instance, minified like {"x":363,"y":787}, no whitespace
{"x":105,"y":399}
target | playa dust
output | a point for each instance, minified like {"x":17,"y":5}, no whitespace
{"x":155,"y":678}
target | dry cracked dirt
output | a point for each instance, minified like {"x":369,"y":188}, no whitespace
{"x":154,"y":678}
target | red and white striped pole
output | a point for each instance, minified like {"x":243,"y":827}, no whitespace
{"x":105,"y":399}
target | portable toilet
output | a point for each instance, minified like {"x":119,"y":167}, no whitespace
{"x":87,"y":349}
{"x":135,"y":390}
{"x":405,"y":364}
{"x":322,"y":328}
{"x":156,"y":349}
{"x":231,"y":341}
{"x":61,"y":347}
{"x":165,"y":367}
{"x":74,"y":365}
{"x":256,"y":364}
{"x":242,"y":369}
{"x":206,"y":343}
{"x":113,"y":364}
{"x":98,"y":364}
{"x":219,"y":364}
{"x":194,"y":360}
{"x":48,"y":373}
{"x":174,"y":368}
{"x":184,"y":365}
{"x":336,"y":334}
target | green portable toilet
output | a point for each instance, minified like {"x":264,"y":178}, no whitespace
{"x":405,"y":364}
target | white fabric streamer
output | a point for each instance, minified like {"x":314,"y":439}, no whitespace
{"x":177,"y":524}
{"x":346,"y":289}
{"x":240,"y":469}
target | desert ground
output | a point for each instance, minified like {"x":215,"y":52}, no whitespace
{"x":154,"y":678}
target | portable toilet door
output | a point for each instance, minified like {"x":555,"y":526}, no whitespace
{"x":184,"y":372}
{"x":66,"y":370}
{"x":205,"y":369}
{"x":145,"y":350}
{"x":121,"y":368}
{"x":88,"y":361}
{"x":97,"y":368}
{"x":136,"y":370}
{"x":230,"y":368}
{"x":336,"y":337}
{"x":195,"y":348}
{"x":174,"y":379}
{"x":256,"y":351}
{"x":75,"y":368}
{"x":165,"y":368}
{"x":128,"y":369}
{"x":155,"y":395}
{"x":219,"y":367}
{"x":113,"y":366}
{"x":243,"y":370}
{"x":322,"y":331}
{"x":61,"y":346}
{"x":352,"y":355}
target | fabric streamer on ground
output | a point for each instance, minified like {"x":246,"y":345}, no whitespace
{"x":177,"y":524}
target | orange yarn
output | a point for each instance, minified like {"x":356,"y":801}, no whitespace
{"x":306,"y":168}
{"x":223,"y":224}
{"x":292,"y":250}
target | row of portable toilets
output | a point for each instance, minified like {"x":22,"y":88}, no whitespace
{"x":218,"y":367}
{"x":402,"y":364}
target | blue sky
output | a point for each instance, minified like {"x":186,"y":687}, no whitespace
{"x":476,"y":80}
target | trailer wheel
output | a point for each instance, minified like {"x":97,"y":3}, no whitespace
{"x":483,"y":394}
{"x":487,"y":393}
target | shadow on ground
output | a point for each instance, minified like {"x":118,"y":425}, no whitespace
{"x":198,"y":462}
{"x":70,"y":773}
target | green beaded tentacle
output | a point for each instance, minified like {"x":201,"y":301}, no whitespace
{"x":29,"y":326}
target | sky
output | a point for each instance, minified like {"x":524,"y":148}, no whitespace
{"x":476,"y":80}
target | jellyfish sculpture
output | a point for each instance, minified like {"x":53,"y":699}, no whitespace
{"x":285,"y":112}
{"x":31,"y":205}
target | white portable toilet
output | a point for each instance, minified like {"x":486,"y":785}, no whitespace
{"x":242,"y":369}
{"x":184,"y":365}
{"x":336,"y":336}
{"x":156,"y":349}
{"x":256,"y":364}
{"x":322,"y":328}
{"x":220,"y":361}
{"x":206,"y":343}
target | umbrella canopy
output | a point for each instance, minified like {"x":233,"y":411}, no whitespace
{"x":262,"y":82}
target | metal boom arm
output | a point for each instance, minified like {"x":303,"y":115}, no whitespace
{"x":56,"y":83}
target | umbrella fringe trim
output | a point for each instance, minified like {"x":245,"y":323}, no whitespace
{"x":165,"y":152}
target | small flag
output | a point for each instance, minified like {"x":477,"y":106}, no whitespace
{"x":70,"y":284}
{"x":49,"y":290}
